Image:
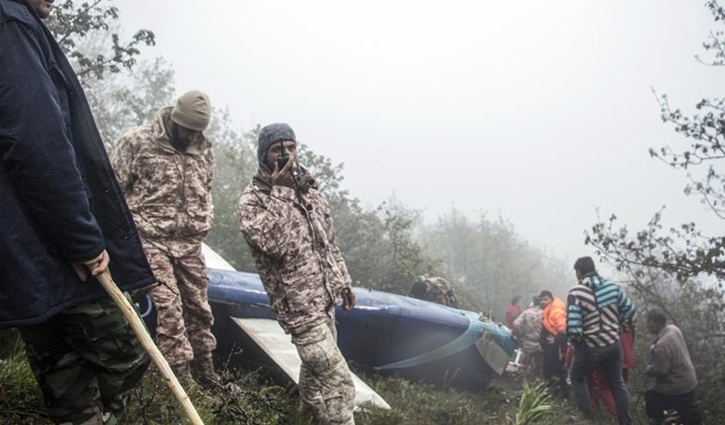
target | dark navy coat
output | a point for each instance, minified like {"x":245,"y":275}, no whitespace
{"x":59,"y":199}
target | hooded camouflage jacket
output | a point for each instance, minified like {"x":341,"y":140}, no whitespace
{"x":293,"y":245}
{"x":168,"y":192}
{"x":527,"y":328}
{"x":437,"y":290}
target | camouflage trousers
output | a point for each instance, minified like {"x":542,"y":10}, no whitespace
{"x":326,"y":385}
{"x":85,"y":359}
{"x":184,"y":318}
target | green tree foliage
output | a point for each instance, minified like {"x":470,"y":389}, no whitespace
{"x":121,"y":92}
{"x":123,"y":101}
{"x":682,"y":250}
{"x":489,"y":257}
{"x":392,"y":259}
{"x":72,"y":23}
{"x":235,"y":155}
{"x":680,"y":269}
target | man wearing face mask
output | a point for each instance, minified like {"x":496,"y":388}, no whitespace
{"x":286,"y":222}
{"x":165,"y":170}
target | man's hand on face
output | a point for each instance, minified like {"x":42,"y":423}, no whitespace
{"x":284,"y":176}
{"x":96,"y":266}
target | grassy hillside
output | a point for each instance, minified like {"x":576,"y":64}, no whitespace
{"x":264,"y":401}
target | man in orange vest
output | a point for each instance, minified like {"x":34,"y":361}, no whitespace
{"x":553,"y":339}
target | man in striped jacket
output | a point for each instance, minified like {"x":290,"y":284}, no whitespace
{"x":597,"y":311}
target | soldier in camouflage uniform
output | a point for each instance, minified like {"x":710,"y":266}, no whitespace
{"x":165,"y":170}
{"x":527,"y":330}
{"x":434,"y":289}
{"x":286,"y":222}
{"x":62,"y":220}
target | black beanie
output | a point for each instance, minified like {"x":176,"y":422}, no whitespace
{"x":270,"y":134}
{"x":584,"y":265}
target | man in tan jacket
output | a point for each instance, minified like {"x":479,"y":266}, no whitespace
{"x":286,"y":222}
{"x":165,"y":170}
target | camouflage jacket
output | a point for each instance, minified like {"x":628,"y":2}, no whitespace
{"x":293,"y":244}
{"x":527,"y":328}
{"x":439,"y":290}
{"x":168,"y":192}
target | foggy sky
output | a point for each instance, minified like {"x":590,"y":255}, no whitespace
{"x":539,"y":111}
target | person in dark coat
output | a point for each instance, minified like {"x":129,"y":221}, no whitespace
{"x":62,"y":220}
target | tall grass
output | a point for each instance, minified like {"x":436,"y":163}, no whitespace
{"x":21,"y":401}
{"x":535,"y":405}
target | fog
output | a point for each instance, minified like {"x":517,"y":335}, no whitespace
{"x":538,"y":111}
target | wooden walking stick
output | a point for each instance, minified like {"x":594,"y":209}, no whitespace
{"x":140,"y":330}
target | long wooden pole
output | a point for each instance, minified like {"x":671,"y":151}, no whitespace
{"x":140,"y":330}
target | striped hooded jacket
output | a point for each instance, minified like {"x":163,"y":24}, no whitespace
{"x":597,"y":310}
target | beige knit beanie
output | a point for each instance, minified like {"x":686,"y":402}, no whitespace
{"x":192,"y":110}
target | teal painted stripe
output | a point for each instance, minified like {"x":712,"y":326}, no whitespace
{"x":474,"y":331}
